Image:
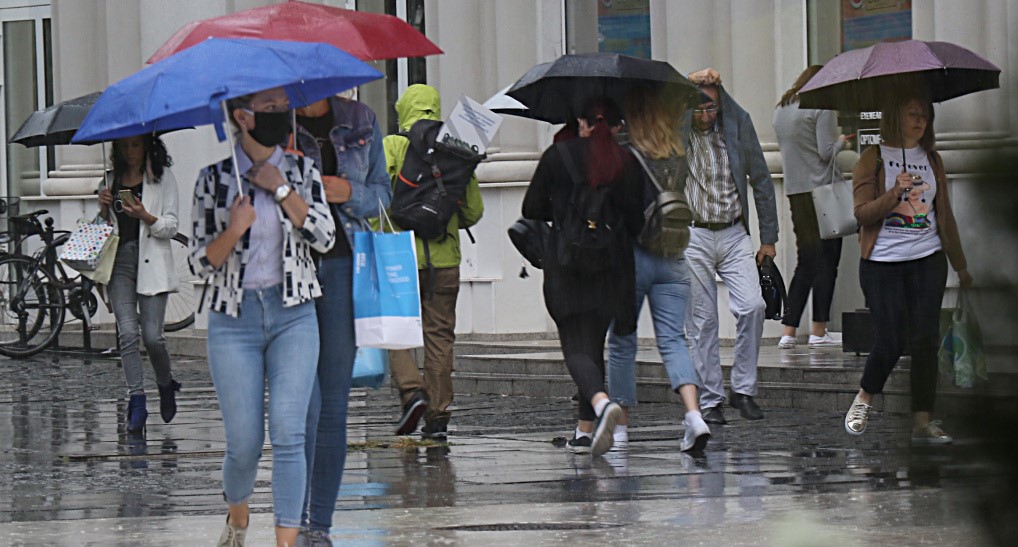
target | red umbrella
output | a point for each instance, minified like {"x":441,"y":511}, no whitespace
{"x":367,"y":36}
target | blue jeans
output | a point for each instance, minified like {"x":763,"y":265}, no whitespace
{"x":326,"y":419}
{"x":665,"y":281}
{"x":280,"y":345}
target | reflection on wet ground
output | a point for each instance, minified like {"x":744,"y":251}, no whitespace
{"x":63,"y":456}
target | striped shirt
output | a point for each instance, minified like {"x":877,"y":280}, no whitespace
{"x":710,"y":188}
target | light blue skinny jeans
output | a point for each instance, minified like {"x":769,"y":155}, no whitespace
{"x":326,"y":420}
{"x":268,"y":342}
{"x":665,"y":282}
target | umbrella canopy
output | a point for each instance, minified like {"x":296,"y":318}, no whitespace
{"x":367,"y":36}
{"x":556,"y":92}
{"x":186,"y":90}
{"x":504,"y":104}
{"x":55,"y":124}
{"x":861,"y":79}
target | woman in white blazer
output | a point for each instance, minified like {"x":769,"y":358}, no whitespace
{"x":142,"y":205}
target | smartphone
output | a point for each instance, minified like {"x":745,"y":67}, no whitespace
{"x":126,"y":196}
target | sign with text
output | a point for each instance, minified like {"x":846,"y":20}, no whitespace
{"x":470,"y":126}
{"x":866,"y":22}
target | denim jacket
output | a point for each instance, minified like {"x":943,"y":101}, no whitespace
{"x":357,"y":139}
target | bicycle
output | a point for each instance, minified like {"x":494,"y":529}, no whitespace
{"x":36,"y":290}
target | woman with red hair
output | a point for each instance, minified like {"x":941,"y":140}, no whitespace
{"x":583,"y":300}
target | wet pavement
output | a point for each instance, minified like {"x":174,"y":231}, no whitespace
{"x":69,"y":476}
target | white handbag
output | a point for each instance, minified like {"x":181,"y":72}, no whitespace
{"x":835,"y":208}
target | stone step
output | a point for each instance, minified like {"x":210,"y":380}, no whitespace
{"x":814,"y":396}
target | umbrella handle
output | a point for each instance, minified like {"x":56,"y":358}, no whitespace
{"x":233,"y":150}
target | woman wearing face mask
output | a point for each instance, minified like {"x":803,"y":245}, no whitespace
{"x":143,"y":273}
{"x":256,"y":255}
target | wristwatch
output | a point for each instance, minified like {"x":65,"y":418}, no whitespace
{"x":281,"y":192}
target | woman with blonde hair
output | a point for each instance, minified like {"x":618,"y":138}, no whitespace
{"x":662,"y":275}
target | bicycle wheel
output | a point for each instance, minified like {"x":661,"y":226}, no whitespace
{"x":31,"y":308}
{"x":180,"y":305}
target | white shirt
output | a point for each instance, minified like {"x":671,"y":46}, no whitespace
{"x":910,"y":230}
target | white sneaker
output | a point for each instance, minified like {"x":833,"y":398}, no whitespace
{"x":786,"y":342}
{"x":825,"y":341}
{"x":697,"y":433}
{"x":621,"y":441}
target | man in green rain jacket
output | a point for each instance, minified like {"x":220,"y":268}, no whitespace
{"x":430,"y":396}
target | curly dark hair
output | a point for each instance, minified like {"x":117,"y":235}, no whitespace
{"x":155,"y":153}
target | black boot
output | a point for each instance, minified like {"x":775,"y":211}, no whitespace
{"x":168,"y":400}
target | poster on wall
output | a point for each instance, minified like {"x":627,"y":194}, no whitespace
{"x":623,"y":26}
{"x":866,"y":22}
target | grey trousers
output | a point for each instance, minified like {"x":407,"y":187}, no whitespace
{"x":729,"y":254}
{"x":133,"y":310}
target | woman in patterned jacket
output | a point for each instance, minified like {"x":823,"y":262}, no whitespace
{"x":254,"y":251}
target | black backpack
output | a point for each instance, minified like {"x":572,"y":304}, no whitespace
{"x":666,"y":219}
{"x":432,"y":183}
{"x":589,"y":227}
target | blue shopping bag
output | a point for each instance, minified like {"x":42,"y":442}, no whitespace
{"x":370,"y":367}
{"x":386,"y":291}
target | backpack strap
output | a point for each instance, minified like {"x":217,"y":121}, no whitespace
{"x":646,"y":168}
{"x":567,"y":158}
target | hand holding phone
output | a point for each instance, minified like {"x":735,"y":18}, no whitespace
{"x":126,"y":196}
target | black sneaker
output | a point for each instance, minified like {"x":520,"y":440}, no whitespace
{"x":435,"y":430}
{"x":579,"y":445}
{"x":412,"y":412}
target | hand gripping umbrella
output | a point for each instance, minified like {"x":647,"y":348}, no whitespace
{"x":862,"y":80}
{"x":556,"y":92}
{"x":191,"y":88}
{"x":366,"y":36}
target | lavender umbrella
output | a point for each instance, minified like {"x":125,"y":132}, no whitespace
{"x":861,"y":80}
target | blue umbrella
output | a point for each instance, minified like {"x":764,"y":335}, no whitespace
{"x":189,"y":88}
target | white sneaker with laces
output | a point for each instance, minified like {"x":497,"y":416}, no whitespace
{"x":621,"y":440}
{"x":825,"y":341}
{"x":786,"y":342}
{"x":696,"y":435}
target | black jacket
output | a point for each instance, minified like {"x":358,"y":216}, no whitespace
{"x":568,"y":293}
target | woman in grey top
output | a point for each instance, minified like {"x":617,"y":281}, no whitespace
{"x":809,"y":141}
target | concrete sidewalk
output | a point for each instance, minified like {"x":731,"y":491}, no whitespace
{"x":69,"y":477}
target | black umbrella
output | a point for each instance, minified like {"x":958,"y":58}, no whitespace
{"x":56,"y":124}
{"x":556,"y":92}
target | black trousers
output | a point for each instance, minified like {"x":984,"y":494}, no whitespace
{"x":816,"y":266}
{"x":904,"y":299}
{"x":582,"y":337}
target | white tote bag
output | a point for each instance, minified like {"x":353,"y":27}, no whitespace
{"x":835,"y":207}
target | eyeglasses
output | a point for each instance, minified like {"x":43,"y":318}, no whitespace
{"x":702,"y":111}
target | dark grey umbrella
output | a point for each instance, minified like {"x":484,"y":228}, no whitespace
{"x":56,"y":124}
{"x":556,"y":92}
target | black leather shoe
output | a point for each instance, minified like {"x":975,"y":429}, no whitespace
{"x":412,"y":412}
{"x":747,"y":407}
{"x":714,"y":415}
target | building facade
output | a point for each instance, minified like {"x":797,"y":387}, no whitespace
{"x":59,"y":49}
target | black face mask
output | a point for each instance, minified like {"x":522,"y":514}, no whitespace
{"x":271,"y":128}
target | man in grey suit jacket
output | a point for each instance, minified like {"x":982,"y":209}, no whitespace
{"x":725,"y":158}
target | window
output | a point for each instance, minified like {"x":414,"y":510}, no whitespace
{"x":617,"y":26}
{"x":833,"y":28}
{"x":26,"y":86}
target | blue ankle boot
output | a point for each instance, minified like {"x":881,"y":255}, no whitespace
{"x":136,"y":414}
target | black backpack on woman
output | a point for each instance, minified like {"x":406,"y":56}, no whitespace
{"x":590,"y":225}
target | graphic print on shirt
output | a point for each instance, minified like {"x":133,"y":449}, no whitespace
{"x":912,"y":212}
